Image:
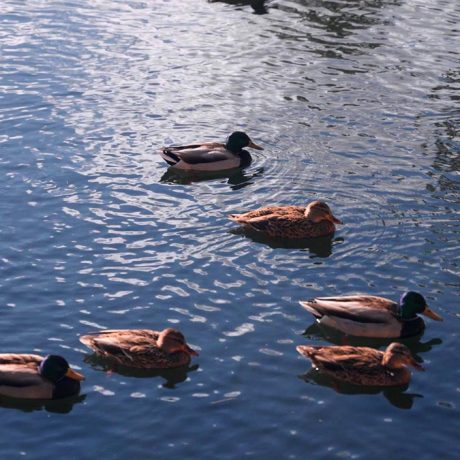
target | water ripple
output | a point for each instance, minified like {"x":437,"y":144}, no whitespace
{"x":354,"y":103}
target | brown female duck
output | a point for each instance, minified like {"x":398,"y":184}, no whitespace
{"x":363,"y":365}
{"x":310,"y":221}
{"x":36,"y":377}
{"x":141,"y":348}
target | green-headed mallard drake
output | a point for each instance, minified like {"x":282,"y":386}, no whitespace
{"x":141,"y":348}
{"x":211,"y":156}
{"x":372,"y":316}
{"x":37,"y":377}
{"x":315,"y":219}
{"x":363,"y":365}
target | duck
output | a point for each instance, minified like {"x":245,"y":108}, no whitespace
{"x":295,"y":222}
{"x":363,"y":365}
{"x":29,"y":376}
{"x":141,"y":348}
{"x":211,"y":156}
{"x":372,"y":316}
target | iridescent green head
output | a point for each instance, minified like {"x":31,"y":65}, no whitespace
{"x":238,"y":140}
{"x":412,"y":303}
{"x":54,"y":368}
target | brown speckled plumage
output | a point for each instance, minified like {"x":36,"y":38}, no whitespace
{"x":141,"y":348}
{"x":363,"y":365}
{"x":293,"y":222}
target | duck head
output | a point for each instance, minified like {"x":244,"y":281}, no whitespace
{"x":398,"y":355}
{"x":54,"y":368}
{"x":238,"y":140}
{"x":318,"y":211}
{"x":172,"y":341}
{"x":412,"y":303}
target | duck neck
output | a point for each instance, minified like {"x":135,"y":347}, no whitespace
{"x":246,"y":158}
{"x":407,"y":311}
{"x":231,"y":148}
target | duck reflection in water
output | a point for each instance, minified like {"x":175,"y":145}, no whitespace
{"x":395,"y":395}
{"x":57,"y":406}
{"x":257,"y":5}
{"x":318,"y":247}
{"x":171,"y":376}
{"x":237,"y":178}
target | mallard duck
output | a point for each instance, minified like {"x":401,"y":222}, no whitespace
{"x":315,"y":219}
{"x":141,"y":348}
{"x":372,"y":316}
{"x":35,"y":377}
{"x":363,"y":365}
{"x":211,"y":156}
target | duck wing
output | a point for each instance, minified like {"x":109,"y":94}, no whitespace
{"x":289,"y":225}
{"x":362,"y":309}
{"x":267,"y":211}
{"x":274,"y":220}
{"x":16,"y":358}
{"x":120,"y":342}
{"x":338,"y":358}
{"x":198,"y":145}
{"x":207,"y":152}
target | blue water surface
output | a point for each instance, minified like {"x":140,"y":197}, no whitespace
{"x":355,"y":102}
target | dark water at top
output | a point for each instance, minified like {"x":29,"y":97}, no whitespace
{"x":355,"y":102}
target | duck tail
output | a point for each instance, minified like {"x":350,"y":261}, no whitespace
{"x":87,"y":340}
{"x":306,"y":351}
{"x":234,"y":217}
{"x":169,"y":156}
{"x":307,"y":304}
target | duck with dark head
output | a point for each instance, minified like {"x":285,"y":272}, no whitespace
{"x":372,"y":316}
{"x":28,"y":376}
{"x":211,"y":156}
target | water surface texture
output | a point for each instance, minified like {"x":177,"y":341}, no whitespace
{"x":356,"y":103}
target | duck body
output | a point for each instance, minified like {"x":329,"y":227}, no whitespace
{"x":295,"y":222}
{"x":363,"y":365}
{"x":141,"y":348}
{"x":372,"y":316}
{"x":211,"y":156}
{"x":29,"y":376}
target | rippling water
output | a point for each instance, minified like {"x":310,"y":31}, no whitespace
{"x":355,"y":103}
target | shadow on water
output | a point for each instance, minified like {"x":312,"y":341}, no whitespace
{"x":319,"y":247}
{"x":172,"y":376}
{"x":257,"y":5}
{"x":395,"y":395}
{"x":58,"y":406}
{"x":237,"y":178}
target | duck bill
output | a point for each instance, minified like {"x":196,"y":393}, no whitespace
{"x":431,"y":314}
{"x":255,"y":146}
{"x":74,"y":375}
{"x":334,"y":220}
{"x":190,"y":351}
